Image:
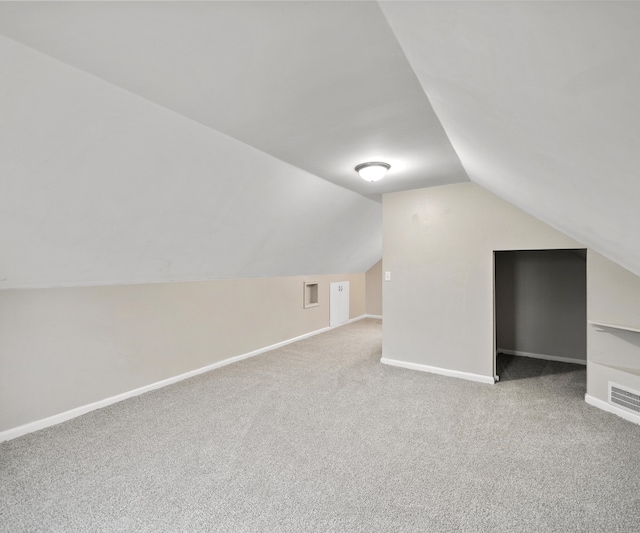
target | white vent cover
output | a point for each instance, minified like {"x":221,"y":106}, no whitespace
{"x":628,"y":399}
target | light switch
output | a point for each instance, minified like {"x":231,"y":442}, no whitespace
{"x":387,"y":276}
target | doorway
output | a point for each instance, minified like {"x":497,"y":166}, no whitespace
{"x":540,"y":304}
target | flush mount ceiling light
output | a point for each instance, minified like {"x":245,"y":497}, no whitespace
{"x":372,"y":171}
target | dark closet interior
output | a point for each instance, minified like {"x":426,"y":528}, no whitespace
{"x":540,"y":307}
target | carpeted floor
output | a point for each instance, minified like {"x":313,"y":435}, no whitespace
{"x":319,"y":436}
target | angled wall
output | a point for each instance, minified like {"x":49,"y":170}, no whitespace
{"x":438,"y":245}
{"x":100,"y":186}
{"x":539,"y":100}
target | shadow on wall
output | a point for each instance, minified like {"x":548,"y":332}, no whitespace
{"x":628,"y":337}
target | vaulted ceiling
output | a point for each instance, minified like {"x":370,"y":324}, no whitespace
{"x":539,"y":100}
{"x":156,"y":141}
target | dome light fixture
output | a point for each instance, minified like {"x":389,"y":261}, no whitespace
{"x":373,"y":171}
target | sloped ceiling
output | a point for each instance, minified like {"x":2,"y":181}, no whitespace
{"x":321,"y":85}
{"x":100,"y":186}
{"x":159,"y":141}
{"x":154,"y":141}
{"x":540,"y":101}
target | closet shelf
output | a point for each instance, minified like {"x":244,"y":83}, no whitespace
{"x":627,"y":370}
{"x":615,"y":326}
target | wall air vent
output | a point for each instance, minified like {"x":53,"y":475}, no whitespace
{"x":625,"y":398}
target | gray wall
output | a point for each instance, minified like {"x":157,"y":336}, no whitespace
{"x":541,"y":303}
{"x":68,"y":347}
{"x":438,"y":244}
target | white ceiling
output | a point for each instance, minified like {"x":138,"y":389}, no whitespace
{"x":540,"y":101}
{"x":321,"y":85}
{"x":99,"y":186}
{"x":535,"y":101}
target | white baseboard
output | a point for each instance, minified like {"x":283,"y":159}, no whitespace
{"x":544,"y":356}
{"x":78,"y":411}
{"x":436,"y":370}
{"x":379,"y":317}
{"x":605,"y":406}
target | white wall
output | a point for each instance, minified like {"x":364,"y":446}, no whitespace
{"x":64,"y":348}
{"x":438,"y":246}
{"x":541,"y":303}
{"x":99,"y":186}
{"x":612,"y":354}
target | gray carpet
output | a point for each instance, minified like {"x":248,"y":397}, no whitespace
{"x":319,"y":436}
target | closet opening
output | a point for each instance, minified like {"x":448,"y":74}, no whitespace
{"x":540,"y":305}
